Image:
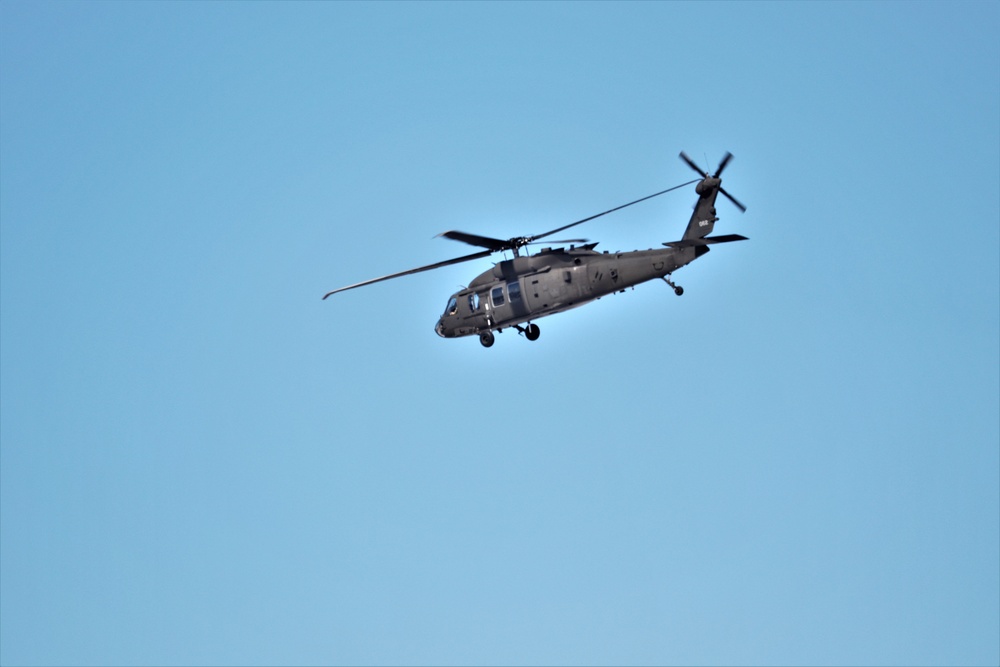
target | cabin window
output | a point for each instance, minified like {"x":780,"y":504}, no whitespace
{"x":452,"y":306}
{"x":498,"y":295}
{"x":514,"y":291}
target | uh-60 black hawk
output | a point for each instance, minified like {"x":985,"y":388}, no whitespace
{"x":517,"y":291}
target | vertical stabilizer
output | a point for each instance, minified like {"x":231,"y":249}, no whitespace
{"x":703,"y":219}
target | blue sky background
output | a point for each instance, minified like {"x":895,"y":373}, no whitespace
{"x":797,"y":462}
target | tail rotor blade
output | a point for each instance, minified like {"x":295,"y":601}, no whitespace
{"x":722,"y":165}
{"x":734,"y":200}
{"x":691,"y":163}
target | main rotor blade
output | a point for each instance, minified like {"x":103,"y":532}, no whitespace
{"x":474,"y":239}
{"x":610,"y":210}
{"x":722,"y":165}
{"x":692,"y":164}
{"x":560,"y":242}
{"x":438,"y":265}
{"x":734,"y":200}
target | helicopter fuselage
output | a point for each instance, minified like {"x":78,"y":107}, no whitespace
{"x":519,"y":290}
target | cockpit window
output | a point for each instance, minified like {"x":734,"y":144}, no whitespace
{"x":473,"y":302}
{"x":498,"y":295}
{"x":452,"y":306}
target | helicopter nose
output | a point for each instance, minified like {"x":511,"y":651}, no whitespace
{"x":439,"y":329}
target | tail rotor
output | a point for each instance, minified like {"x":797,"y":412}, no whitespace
{"x":715,"y":180}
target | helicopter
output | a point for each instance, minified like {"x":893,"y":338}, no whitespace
{"x":517,"y":291}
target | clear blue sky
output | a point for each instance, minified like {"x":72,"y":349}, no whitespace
{"x":795,"y":463}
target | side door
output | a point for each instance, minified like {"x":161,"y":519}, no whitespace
{"x":515,"y":299}
{"x":508,"y":303}
{"x":500,"y":310}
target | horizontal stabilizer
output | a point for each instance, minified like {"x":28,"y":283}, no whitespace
{"x":708,"y":240}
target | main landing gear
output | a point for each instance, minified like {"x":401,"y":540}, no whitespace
{"x":531,"y":332}
{"x":678,"y":290}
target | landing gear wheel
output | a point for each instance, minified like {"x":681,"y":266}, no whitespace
{"x":532,"y":332}
{"x":486,"y":338}
{"x":678,"y":290}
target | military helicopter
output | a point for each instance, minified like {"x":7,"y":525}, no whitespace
{"x":517,"y":291}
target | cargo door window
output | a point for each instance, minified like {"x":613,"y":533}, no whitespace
{"x":514,"y":291}
{"x":498,"y":296}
